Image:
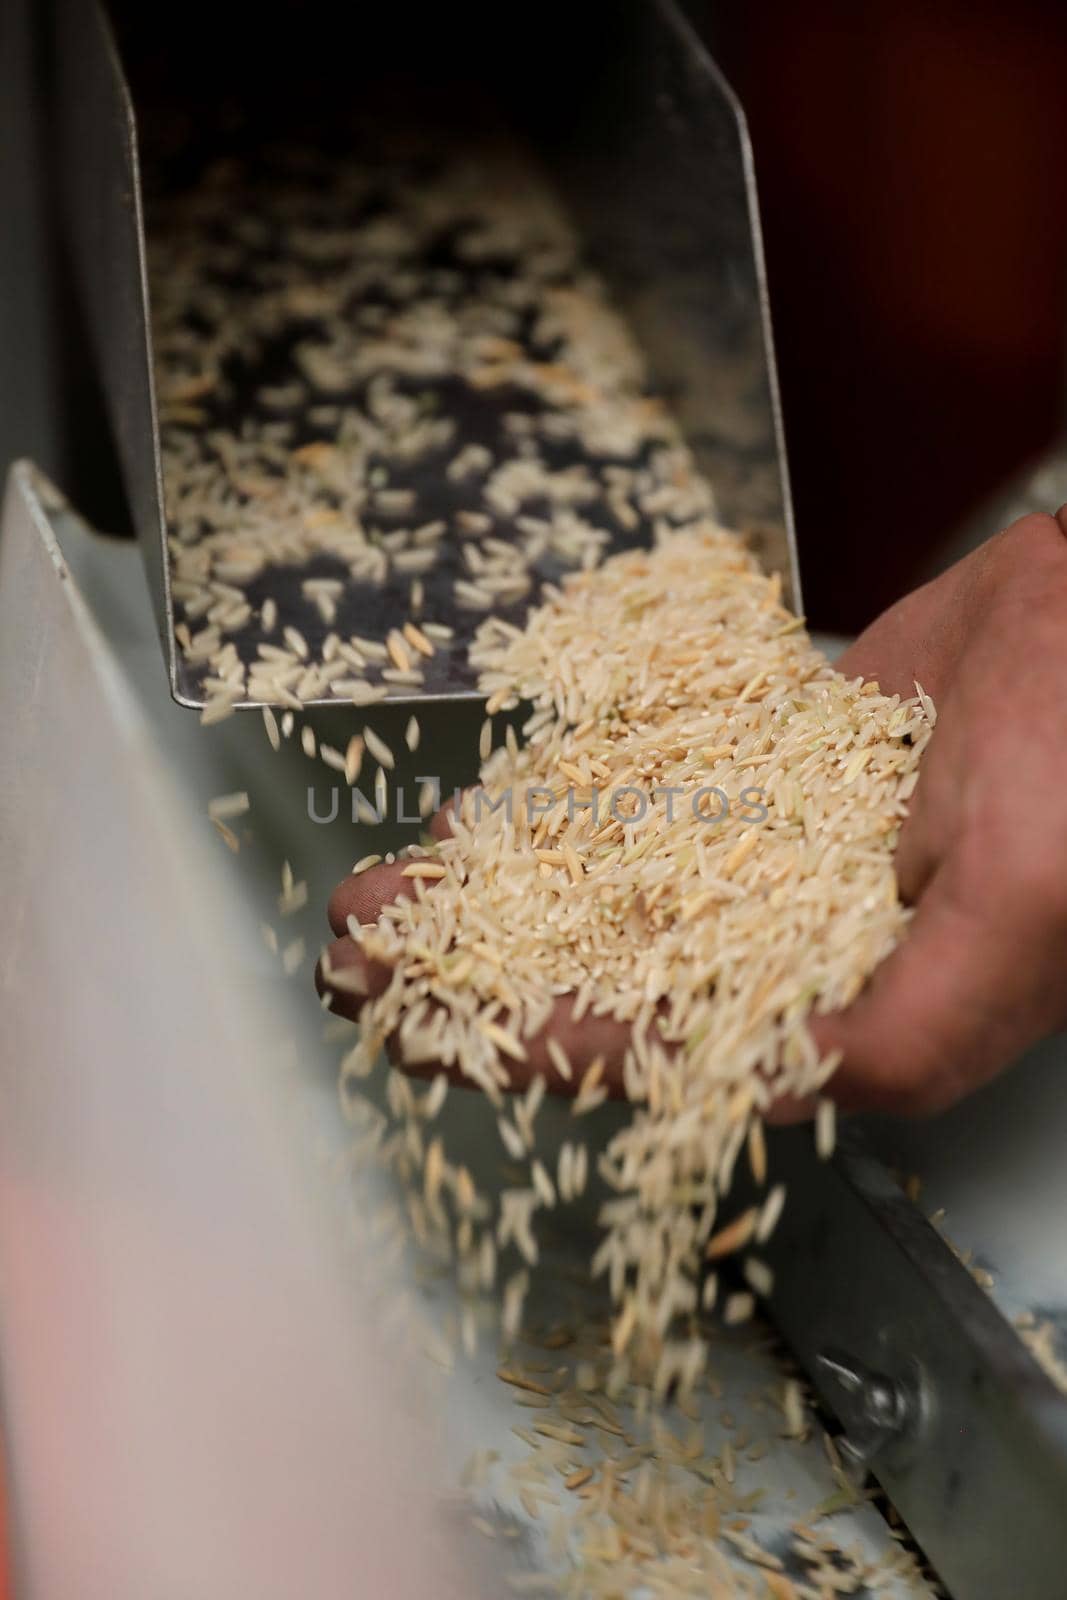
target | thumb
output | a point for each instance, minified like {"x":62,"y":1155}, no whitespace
{"x":952,"y":1005}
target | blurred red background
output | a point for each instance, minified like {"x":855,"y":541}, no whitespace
{"x":910,"y":160}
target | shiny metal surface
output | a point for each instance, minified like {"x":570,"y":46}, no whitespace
{"x":978,"y":1471}
{"x":197,"y":1395}
{"x":650,"y":148}
{"x":660,"y":169}
{"x":874,"y":1407}
{"x":203,"y":1414}
{"x":100,"y":200}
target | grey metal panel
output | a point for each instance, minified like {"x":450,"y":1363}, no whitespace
{"x":661,"y":171}
{"x":663,"y":181}
{"x":979,"y":1469}
{"x":100,"y":194}
{"x":198,"y":1396}
{"x":72,"y":719}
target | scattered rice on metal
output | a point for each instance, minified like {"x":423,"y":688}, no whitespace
{"x":710,"y":858}
{"x":713,"y":941}
{"x":402,"y":386}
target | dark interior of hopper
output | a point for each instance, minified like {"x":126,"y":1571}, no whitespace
{"x":622,"y":110}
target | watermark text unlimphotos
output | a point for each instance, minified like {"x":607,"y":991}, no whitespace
{"x":628,"y":804}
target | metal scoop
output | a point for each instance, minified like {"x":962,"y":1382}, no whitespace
{"x":647,"y":148}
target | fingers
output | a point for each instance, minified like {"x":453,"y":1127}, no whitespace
{"x":363,"y":895}
{"x":952,"y":1005}
{"x":909,"y":641}
{"x":356,"y":978}
{"x":941,"y":1015}
{"x":589,"y":1039}
{"x":360,"y":896}
{"x":349,"y":977}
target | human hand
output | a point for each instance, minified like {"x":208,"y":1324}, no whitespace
{"x":980,"y":974}
{"x":363,"y":896}
{"x":983,"y":853}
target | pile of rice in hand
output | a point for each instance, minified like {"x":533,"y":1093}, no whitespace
{"x":694,"y":840}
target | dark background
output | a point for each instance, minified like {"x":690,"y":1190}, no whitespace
{"x":912,"y":167}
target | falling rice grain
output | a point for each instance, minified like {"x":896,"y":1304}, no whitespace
{"x":758,"y":1276}
{"x":270,"y":722}
{"x":293,"y":957}
{"x":543,"y":1183}
{"x":738,"y":1308}
{"x":379,"y":749}
{"x":353,"y":759}
{"x":225,"y":807}
{"x":770,"y":1214}
{"x":504,"y":1039}
{"x":216,"y":710}
{"x":559,"y":1058}
{"x":734,"y":1236}
{"x":757,"y":1152}
{"x":514,"y":1298}
{"x":825,"y":1129}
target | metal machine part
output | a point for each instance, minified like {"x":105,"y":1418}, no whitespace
{"x":99,"y":198}
{"x":938,"y":1395}
{"x":873,"y":1407}
{"x":183,"y":1320}
{"x":660,"y":172}
{"x":935,"y":1390}
{"x":182,"y":1364}
{"x":649,"y":148}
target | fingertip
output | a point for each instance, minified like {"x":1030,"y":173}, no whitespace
{"x":362,"y":895}
{"x":894,"y":1060}
{"x":346,"y":977}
